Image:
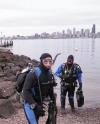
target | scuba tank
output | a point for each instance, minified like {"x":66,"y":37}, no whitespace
{"x":80,"y":98}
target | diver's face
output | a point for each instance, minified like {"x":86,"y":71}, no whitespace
{"x":70,"y":61}
{"x":47,"y":62}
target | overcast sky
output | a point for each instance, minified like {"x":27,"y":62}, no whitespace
{"x":25,"y":17}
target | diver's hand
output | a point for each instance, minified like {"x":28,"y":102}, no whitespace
{"x":80,"y":87}
{"x":38,"y":109}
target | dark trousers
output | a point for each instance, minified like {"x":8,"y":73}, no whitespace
{"x":70,"y":90}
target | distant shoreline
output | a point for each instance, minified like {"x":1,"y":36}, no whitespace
{"x":17,"y":38}
{"x":50,"y":38}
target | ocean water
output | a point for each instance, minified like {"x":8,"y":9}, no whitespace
{"x":85,"y":51}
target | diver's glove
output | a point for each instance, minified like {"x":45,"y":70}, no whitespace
{"x":62,"y":77}
{"x":80,"y":87}
{"x":38,"y":109}
{"x":54,"y":84}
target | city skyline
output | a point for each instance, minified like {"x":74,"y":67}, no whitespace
{"x":26,"y":17}
{"x":65,"y":33}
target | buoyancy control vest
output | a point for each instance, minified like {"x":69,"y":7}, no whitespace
{"x":69,"y":75}
{"x":44,"y":84}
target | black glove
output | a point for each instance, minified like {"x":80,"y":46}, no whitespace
{"x":54,"y":84}
{"x":39,"y":110}
{"x":62,"y":77}
{"x":80,"y":86}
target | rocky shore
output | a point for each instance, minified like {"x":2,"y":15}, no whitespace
{"x":81,"y":116}
{"x":11,"y":111}
{"x":10,"y":64}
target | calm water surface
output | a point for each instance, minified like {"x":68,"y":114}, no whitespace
{"x":86,"y":52}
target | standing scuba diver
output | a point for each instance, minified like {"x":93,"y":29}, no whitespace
{"x":69,"y":73}
{"x":39,"y":84}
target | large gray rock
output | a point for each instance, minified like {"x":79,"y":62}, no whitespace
{"x":6,"y":108}
{"x":10,"y":64}
{"x":7,"y":89}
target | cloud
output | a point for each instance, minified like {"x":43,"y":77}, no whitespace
{"x":46,"y":13}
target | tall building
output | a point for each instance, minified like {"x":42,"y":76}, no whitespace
{"x":74,"y":32}
{"x":69,"y":33}
{"x":82,"y":32}
{"x":86,"y":32}
{"x":93,"y":29}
